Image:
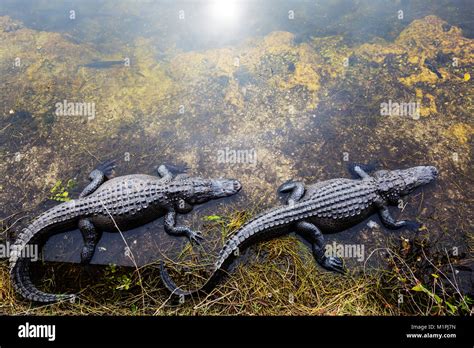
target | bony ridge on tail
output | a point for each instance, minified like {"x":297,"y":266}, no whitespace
{"x":106,"y":204}
{"x":324,"y":207}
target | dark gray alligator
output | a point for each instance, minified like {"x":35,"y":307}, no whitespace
{"x":325,"y":207}
{"x":120,"y":203}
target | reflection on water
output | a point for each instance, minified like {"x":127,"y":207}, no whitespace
{"x":298,"y":83}
{"x":192,"y":25}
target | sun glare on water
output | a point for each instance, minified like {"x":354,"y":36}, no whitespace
{"x":224,"y":12}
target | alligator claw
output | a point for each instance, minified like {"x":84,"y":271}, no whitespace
{"x":195,"y":237}
{"x":334,"y":264}
{"x":107,"y":167}
{"x":177,"y":168}
{"x":284,"y":188}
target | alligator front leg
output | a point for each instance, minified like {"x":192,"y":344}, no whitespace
{"x":98,"y":176}
{"x":389,"y":221}
{"x":91,"y":237}
{"x":164,"y":173}
{"x":296,"y":189}
{"x":314,"y":236}
{"x":173,"y":230}
{"x":362,"y":170}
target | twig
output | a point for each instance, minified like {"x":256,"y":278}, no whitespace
{"x":129,"y":253}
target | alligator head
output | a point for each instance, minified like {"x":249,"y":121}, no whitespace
{"x":206,"y":189}
{"x":393,"y":184}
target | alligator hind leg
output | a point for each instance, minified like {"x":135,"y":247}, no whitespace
{"x":296,"y":189}
{"x":314,"y":236}
{"x":91,"y":237}
{"x":173,"y":230}
{"x":98,"y":176}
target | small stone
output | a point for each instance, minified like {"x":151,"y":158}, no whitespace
{"x":372,"y":224}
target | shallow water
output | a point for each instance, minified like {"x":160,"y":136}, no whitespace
{"x":300,"y":84}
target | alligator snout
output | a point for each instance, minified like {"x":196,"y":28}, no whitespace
{"x":226,"y":187}
{"x":429,"y":173}
{"x":434,"y":171}
{"x":424,"y":174}
{"x":237,"y":186}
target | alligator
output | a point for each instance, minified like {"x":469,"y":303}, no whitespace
{"x":114,"y":204}
{"x":325,"y":207}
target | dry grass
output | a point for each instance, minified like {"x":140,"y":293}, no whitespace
{"x":278,"y":277}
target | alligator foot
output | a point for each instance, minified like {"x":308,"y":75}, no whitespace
{"x":164,"y":173}
{"x":173,"y":230}
{"x":91,"y":237}
{"x":194,"y":236}
{"x":177,"y":168}
{"x":296,"y":190}
{"x":313,"y":235}
{"x":97,"y":177}
{"x":333,"y":264}
{"x":107,"y":168}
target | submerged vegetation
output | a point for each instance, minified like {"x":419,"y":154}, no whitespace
{"x":60,"y":192}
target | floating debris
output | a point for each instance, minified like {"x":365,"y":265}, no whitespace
{"x":373,"y":224}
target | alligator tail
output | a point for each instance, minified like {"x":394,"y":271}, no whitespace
{"x":171,"y":285}
{"x":226,"y":257}
{"x":23,"y":285}
{"x":20,"y":259}
{"x":176,"y":291}
{"x":261,"y":228}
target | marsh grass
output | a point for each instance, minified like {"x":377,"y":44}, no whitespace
{"x":277,"y":277}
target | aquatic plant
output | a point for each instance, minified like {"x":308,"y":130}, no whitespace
{"x":60,"y":192}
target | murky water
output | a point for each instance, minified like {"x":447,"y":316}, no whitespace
{"x":296,"y":88}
